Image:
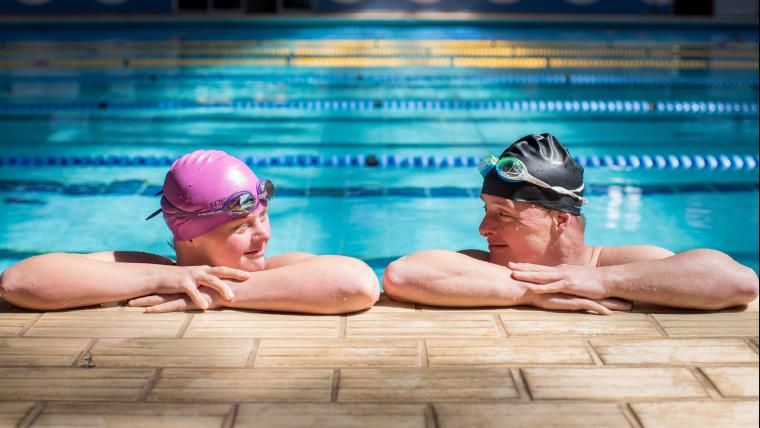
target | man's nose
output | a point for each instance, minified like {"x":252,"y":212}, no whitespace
{"x":486,"y":228}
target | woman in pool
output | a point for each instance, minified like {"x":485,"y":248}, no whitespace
{"x":216,"y":208}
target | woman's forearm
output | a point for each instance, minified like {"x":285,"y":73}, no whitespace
{"x":320,"y":285}
{"x":59,"y":281}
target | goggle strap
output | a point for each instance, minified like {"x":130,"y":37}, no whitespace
{"x":153,"y":215}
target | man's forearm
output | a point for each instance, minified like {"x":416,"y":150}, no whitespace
{"x":447,"y":278}
{"x":320,"y":285}
{"x":58,"y":281}
{"x":703,"y":279}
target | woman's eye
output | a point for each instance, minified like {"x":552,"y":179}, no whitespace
{"x":242,"y":228}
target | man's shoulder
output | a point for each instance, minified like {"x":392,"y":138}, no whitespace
{"x":610,"y":256}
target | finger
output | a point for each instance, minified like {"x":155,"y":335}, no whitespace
{"x":218,"y":285}
{"x":536,"y":277}
{"x":196,"y":296}
{"x":616,"y":304}
{"x":172,"y":306}
{"x":552,"y":287}
{"x":229,"y":273}
{"x":155,"y":299}
{"x":577,"y":304}
{"x":529,"y":267}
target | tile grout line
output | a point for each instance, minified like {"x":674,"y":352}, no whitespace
{"x":231,"y":416}
{"x":28,"y":325}
{"x":423,"y":353}
{"x":594,"y":355}
{"x":184,"y":326}
{"x":334,"y":386}
{"x":342,"y":326}
{"x":706,"y":383}
{"x":630,"y":415}
{"x":84,"y":353}
{"x":660,"y":329}
{"x":520,"y":384}
{"x":500,"y":325}
{"x":251,"y":360}
{"x":32,"y":415}
{"x":752,"y":345}
{"x":431,"y":417}
{"x":152,"y":380}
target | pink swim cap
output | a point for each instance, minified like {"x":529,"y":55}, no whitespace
{"x":197,"y":182}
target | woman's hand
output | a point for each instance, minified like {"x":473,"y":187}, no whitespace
{"x":159,"y":303}
{"x":187,"y":280}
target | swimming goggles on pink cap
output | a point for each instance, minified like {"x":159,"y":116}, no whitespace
{"x":514,"y":170}
{"x":238,"y":204}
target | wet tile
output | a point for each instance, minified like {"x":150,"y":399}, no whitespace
{"x":330,"y":415}
{"x":254,"y":324}
{"x":603,"y":383}
{"x":243,"y":385}
{"x":106,"y":323}
{"x":335,"y":354}
{"x":547,"y":414}
{"x":132,"y":415}
{"x":543,"y":323}
{"x":12,"y":323}
{"x":421,"y":324}
{"x":72,"y":383}
{"x":206,"y":352}
{"x":719,"y":324}
{"x":425,"y":385}
{"x":687,"y":413}
{"x":11,"y":412}
{"x":506,"y":352}
{"x":673,"y":351}
{"x":734,"y":381}
{"x":28,"y":351}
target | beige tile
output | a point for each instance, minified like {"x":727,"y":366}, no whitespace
{"x":727,"y":414}
{"x":106,"y":323}
{"x":31,"y":351}
{"x":535,"y":414}
{"x":330,"y":415}
{"x":338,"y":353}
{"x":421,"y":324}
{"x":229,"y":323}
{"x":734,"y":381}
{"x":149,"y":352}
{"x":673,"y":351}
{"x":425,"y":385}
{"x":72,"y":383}
{"x":543,"y":323}
{"x":11,"y":412}
{"x":388,"y":305}
{"x":11,"y":323}
{"x":132,"y":415}
{"x":237,"y":385}
{"x":603,"y":383}
{"x":719,"y":324}
{"x":506,"y":352}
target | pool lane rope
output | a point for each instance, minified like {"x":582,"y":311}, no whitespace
{"x":640,"y":107}
{"x":719,"y":162}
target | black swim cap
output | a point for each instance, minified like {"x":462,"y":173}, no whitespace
{"x":549,"y":161}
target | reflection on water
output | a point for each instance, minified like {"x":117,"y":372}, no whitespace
{"x":623,"y":209}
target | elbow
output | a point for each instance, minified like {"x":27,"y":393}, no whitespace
{"x":18,"y":289}
{"x":362,"y":288}
{"x":746,"y":286}
{"x":396,"y":279}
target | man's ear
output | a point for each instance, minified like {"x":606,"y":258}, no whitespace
{"x":563,"y":220}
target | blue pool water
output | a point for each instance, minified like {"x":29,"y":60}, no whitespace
{"x":135,"y":96}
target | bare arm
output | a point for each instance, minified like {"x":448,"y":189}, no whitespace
{"x":466,"y":279}
{"x":300,"y":283}
{"x":698,"y":279}
{"x":59,"y":280}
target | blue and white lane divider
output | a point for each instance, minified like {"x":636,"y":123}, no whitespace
{"x":720,"y":162}
{"x":635,"y":107}
{"x":449,"y":79}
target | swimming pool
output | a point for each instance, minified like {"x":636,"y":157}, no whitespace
{"x":370,"y":130}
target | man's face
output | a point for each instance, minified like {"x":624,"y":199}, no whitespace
{"x":516,"y":231}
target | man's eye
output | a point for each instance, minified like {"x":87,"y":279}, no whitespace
{"x":263,"y":216}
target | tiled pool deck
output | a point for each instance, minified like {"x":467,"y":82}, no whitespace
{"x":395,"y":365}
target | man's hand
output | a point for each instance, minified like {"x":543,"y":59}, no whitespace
{"x":159,"y":303}
{"x":564,"y":302}
{"x":188,"y":279}
{"x":583,"y":281}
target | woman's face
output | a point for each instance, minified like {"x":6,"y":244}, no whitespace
{"x":239,"y":244}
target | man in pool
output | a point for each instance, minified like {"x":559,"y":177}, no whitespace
{"x":537,"y":255}
{"x":216,"y":209}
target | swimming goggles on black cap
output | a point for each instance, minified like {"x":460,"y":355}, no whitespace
{"x":514,"y":170}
